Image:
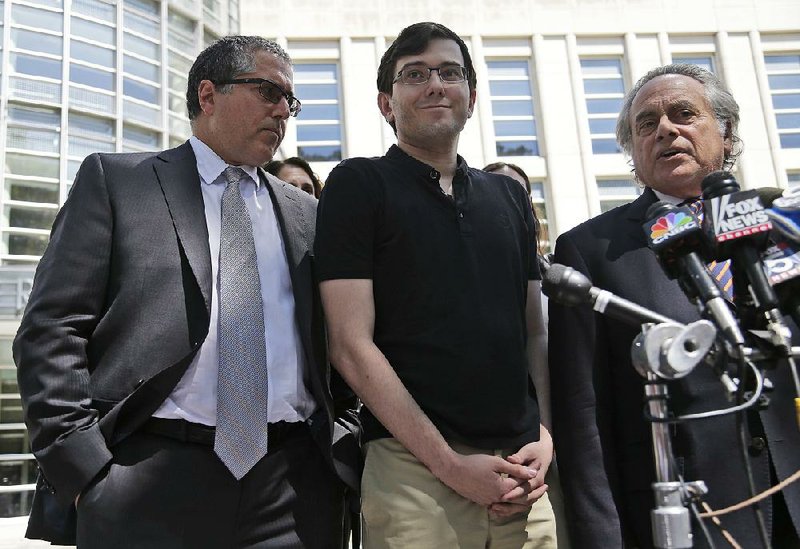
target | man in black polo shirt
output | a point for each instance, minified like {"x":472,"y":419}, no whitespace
{"x":430,"y":286}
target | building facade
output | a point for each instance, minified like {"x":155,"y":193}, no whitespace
{"x":82,"y":76}
{"x":78,"y":76}
{"x":551,"y":78}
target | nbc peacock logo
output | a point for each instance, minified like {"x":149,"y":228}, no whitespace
{"x":669,"y":225}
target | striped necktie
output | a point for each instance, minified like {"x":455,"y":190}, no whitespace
{"x":720,"y":270}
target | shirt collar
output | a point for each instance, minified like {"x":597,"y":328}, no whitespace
{"x":210,"y":166}
{"x":668,"y":198}
{"x":418,"y":167}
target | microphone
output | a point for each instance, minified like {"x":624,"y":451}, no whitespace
{"x":738,"y":222}
{"x":782,"y":265}
{"x":784,"y":212}
{"x":674,"y":233}
{"x":569,"y":287}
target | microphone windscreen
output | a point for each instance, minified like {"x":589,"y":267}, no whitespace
{"x":768,"y":195}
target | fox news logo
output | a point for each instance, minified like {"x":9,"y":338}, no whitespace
{"x":738,"y":215}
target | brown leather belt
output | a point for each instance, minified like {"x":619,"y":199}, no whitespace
{"x":185,"y":431}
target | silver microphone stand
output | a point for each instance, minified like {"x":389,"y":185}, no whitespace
{"x":662,"y":352}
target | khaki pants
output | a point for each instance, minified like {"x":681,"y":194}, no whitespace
{"x":405,"y":507}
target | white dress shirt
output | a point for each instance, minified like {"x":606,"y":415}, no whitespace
{"x":195,"y":396}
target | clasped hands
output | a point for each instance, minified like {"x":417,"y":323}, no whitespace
{"x":505,"y":486}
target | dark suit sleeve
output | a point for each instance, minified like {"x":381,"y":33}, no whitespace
{"x":51,"y":346}
{"x":583,"y":437}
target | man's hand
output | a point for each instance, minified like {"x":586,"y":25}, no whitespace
{"x":484,"y":479}
{"x":537,"y":456}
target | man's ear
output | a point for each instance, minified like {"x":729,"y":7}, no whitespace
{"x":206,"y":95}
{"x":473,"y":96}
{"x":727,"y":139}
{"x":385,"y":106}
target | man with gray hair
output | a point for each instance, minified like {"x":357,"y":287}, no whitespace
{"x":677,"y":125}
{"x":171,"y":359}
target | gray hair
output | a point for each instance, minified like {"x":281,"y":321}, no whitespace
{"x":726,"y":110}
{"x":225,"y":59}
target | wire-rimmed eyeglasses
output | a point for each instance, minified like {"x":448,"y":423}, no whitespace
{"x":420,"y":74}
{"x":269,"y":90}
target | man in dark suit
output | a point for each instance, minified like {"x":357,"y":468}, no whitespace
{"x":678,"y":124}
{"x":171,"y":359}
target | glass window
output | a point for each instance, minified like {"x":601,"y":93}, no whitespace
{"x":97,"y":55}
{"x":517,"y":148}
{"x":26,"y":244}
{"x":140,"y":137}
{"x":512,"y":108}
{"x":181,"y":32}
{"x":32,"y":191}
{"x":90,"y":76}
{"x":146,"y":6}
{"x":142,"y":69}
{"x":329,"y":153}
{"x":177,"y":103}
{"x":310,"y":111}
{"x":308,"y":92}
{"x":180,"y":63}
{"x":31,"y":218}
{"x":141,"y":24}
{"x":783,"y":74}
{"x":616,"y":192}
{"x":32,"y":139}
{"x":90,"y":125}
{"x":33,"y":17}
{"x":704,"y":61}
{"x":36,"y":41}
{"x":22,"y":63}
{"x":140,"y":90}
{"x":508,"y":88}
{"x":140,"y":46}
{"x":33,"y":165}
{"x":604,"y":89}
{"x":98,"y":9}
{"x":178,"y":82}
{"x":319,"y":134}
{"x":34,"y":115}
{"x":92,"y":31}
{"x":794,"y":180}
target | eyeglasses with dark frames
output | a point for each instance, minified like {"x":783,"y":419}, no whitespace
{"x":269,"y":90}
{"x":420,"y":74}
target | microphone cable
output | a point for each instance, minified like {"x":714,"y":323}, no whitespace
{"x":752,"y":401}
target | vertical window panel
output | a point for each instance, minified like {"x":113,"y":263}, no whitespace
{"x":783,"y":75}
{"x":512,"y":105}
{"x":604,"y":90}
{"x":319,"y":124}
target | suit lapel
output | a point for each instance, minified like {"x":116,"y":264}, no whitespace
{"x":180,"y":183}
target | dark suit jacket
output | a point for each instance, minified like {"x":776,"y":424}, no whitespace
{"x":602,"y":441}
{"x":120,"y":306}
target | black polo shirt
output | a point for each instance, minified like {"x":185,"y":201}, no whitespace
{"x":450,"y":282}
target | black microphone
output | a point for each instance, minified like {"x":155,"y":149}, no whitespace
{"x":674,"y":234}
{"x":569,"y":287}
{"x":737,"y":222}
